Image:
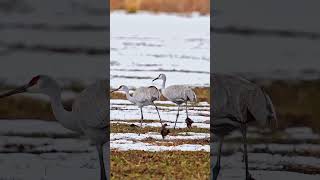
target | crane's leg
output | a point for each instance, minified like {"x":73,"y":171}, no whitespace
{"x":216,"y":169}
{"x":245,"y":153}
{"x":141,"y":119}
{"x":102,"y":168}
{"x":158,"y":113}
{"x":187,"y":109}
{"x":177,"y":117}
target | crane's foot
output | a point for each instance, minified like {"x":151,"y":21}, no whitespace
{"x":249,"y":177}
{"x":215,"y":172}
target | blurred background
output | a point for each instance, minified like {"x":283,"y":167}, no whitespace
{"x":66,"y":40}
{"x":276,"y":45}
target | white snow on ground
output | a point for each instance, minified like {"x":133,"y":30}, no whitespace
{"x":159,"y":44}
{"x":157,"y":136}
{"x":130,"y":145}
{"x":123,"y":110}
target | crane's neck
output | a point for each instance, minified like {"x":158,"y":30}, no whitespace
{"x":63,"y":116}
{"x":129,"y":97}
{"x":163,"y":84}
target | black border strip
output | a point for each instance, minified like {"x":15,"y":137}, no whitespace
{"x":212,"y":60}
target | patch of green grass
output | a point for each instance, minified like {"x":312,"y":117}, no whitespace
{"x":160,"y":165}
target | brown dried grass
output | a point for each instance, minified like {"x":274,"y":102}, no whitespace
{"x":168,"y":6}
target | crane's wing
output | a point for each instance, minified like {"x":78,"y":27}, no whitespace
{"x":154,"y":93}
{"x":91,"y":105}
{"x":142,"y":95}
{"x":261,"y":107}
{"x":179,"y":93}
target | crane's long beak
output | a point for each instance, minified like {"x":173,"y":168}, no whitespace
{"x":15,"y":91}
{"x":115,"y":90}
{"x":155,"y":79}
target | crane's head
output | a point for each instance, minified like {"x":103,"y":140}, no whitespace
{"x":161,"y":76}
{"x":38,"y":84}
{"x":121,"y":88}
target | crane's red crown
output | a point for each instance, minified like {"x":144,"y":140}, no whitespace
{"x":34,"y":80}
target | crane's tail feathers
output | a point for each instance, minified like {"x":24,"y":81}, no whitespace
{"x":158,"y":92}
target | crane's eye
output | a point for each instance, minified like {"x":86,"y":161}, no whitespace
{"x":34,"y":80}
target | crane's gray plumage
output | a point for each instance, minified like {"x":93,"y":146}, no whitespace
{"x":143,"y":96}
{"x":178,"y":94}
{"x":88,"y":115}
{"x":237,"y":102}
{"x":90,"y":106}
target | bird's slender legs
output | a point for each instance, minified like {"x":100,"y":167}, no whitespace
{"x":141,"y":119}
{"x":245,"y":154}
{"x":177,"y":117}
{"x":187,"y":109}
{"x":216,"y":169}
{"x":158,"y":113}
{"x":102,"y":168}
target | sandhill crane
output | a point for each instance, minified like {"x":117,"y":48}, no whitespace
{"x":89,"y":115}
{"x":143,"y":96}
{"x":178,"y":94}
{"x":236,"y":102}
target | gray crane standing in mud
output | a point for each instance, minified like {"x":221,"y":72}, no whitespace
{"x":142,"y":96}
{"x":236,"y":103}
{"x":178,"y":94}
{"x":89,"y":115}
